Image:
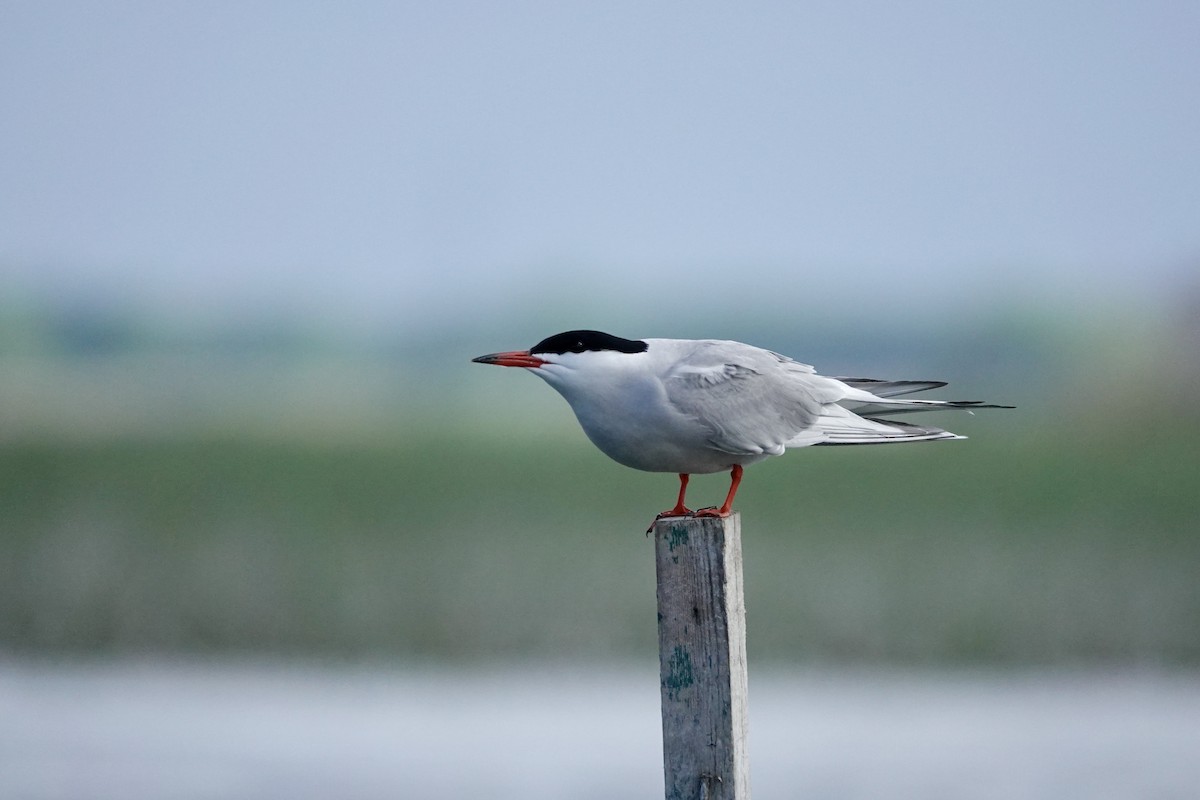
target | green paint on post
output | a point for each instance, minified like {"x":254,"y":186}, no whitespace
{"x":679,"y":673}
{"x":677,"y":537}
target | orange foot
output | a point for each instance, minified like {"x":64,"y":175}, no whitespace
{"x":735,"y":476}
{"x":712,"y":511}
{"x":678,"y":511}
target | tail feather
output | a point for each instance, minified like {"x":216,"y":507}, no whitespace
{"x":856,"y":415}
{"x":887,"y":408}
{"x":868,"y":397}
{"x":881,"y":388}
{"x":840,"y":426}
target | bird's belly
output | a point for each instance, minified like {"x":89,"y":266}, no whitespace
{"x":657,"y":442}
{"x":656,"y":455}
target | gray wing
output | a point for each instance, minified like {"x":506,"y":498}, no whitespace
{"x":751,"y":401}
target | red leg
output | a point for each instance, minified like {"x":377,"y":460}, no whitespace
{"x":680,"y":510}
{"x":735,"y":476}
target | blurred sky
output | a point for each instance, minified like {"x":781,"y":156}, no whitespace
{"x":413,"y":162}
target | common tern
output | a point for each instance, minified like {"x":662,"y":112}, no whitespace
{"x":693,"y":406}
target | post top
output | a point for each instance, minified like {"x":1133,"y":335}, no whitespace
{"x":666,"y":523}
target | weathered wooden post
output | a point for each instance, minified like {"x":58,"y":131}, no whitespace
{"x":702,"y":657}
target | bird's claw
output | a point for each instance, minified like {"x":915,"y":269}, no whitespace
{"x":710,"y":511}
{"x":678,"y":511}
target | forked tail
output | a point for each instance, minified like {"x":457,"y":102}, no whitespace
{"x":856,"y":418}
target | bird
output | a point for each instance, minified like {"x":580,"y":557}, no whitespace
{"x":700,"y":406}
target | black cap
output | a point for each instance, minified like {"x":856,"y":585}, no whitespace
{"x":582,"y":341}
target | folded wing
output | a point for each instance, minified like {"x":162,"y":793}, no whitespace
{"x":754,"y":401}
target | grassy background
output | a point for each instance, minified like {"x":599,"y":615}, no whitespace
{"x":271,"y":493}
{"x":1050,"y":546}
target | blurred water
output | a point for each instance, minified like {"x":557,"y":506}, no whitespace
{"x":201,"y":730}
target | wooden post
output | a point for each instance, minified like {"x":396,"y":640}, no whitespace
{"x":702,"y":657}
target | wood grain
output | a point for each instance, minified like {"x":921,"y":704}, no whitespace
{"x":702,"y":657}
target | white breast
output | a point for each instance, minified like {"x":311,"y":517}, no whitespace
{"x":622,"y":406}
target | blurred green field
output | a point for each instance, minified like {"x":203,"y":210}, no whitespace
{"x":261,"y":490}
{"x":1041,"y":543}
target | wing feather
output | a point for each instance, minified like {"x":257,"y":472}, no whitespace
{"x":752,"y":401}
